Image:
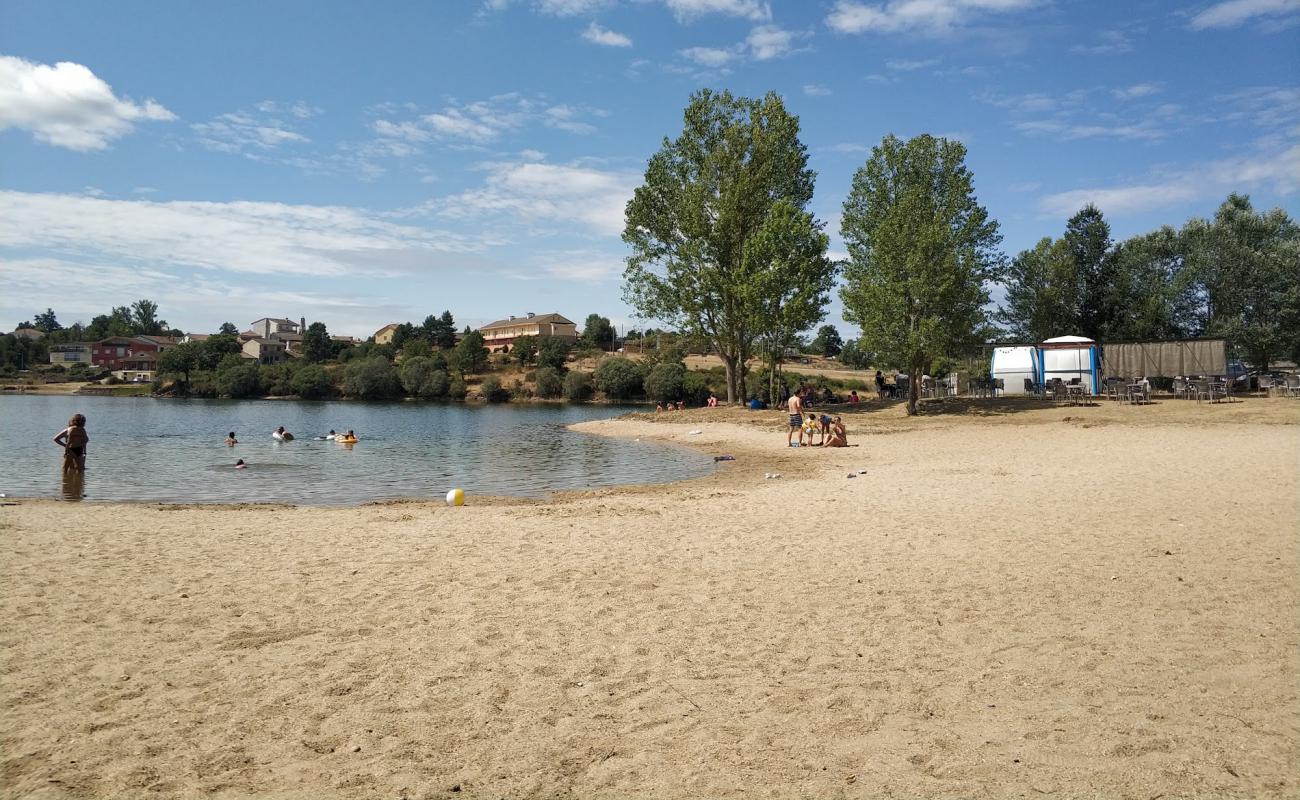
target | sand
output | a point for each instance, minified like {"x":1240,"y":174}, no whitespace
{"x":1002,"y":602}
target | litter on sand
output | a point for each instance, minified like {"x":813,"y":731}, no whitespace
{"x":695,"y":433}
{"x":852,"y":475}
{"x":771,"y":475}
{"x":724,"y":458}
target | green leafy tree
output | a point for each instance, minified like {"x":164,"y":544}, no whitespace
{"x":46,"y":322}
{"x":578,"y":386}
{"x":371,"y":378}
{"x":852,"y":355}
{"x":312,"y":382}
{"x":550,"y":382}
{"x":229,"y":329}
{"x":828,"y":342}
{"x":1042,"y":293}
{"x":470,"y":355}
{"x":1247,"y":267}
{"x":239,"y":380}
{"x":1087,"y":237}
{"x":664,"y":382}
{"x":619,"y":378}
{"x":144,"y":318}
{"x":181,"y":360}
{"x":457,"y":389}
{"x":215,"y":348}
{"x":790,"y":281}
{"x":425,"y":377}
{"x":598,"y":331}
{"x":706,"y":195}
{"x":316,"y":343}
{"x":1151,"y":295}
{"x":444,"y":332}
{"x":921,"y":250}
{"x":526,"y":349}
{"x":553,"y":352}
{"x":695,"y":388}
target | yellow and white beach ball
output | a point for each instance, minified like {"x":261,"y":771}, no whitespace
{"x":456,"y":497}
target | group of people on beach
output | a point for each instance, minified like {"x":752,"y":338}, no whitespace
{"x":830,"y":429}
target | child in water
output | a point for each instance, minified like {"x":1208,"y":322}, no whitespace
{"x":240,"y":464}
{"x":73,"y":440}
{"x":231,"y":441}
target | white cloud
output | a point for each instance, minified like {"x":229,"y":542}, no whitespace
{"x":711,"y":56}
{"x":816,"y":90}
{"x":1109,"y":42}
{"x":904,"y":65}
{"x":240,"y":132}
{"x":580,"y":265}
{"x":1136,"y":90}
{"x":1233,"y":13}
{"x":598,"y":35}
{"x":538,"y":192}
{"x":67,"y":105}
{"x":482,"y":122}
{"x":300,"y":109}
{"x":931,"y":16}
{"x":251,"y":237}
{"x":847,"y":148}
{"x":1278,"y":169}
{"x":769,"y":41}
{"x":687,"y":10}
{"x":1070,"y":131}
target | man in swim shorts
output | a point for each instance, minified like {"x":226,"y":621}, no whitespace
{"x":795,"y":406}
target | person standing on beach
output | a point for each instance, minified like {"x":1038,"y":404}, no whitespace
{"x":796,"y":419}
{"x":73,"y":439}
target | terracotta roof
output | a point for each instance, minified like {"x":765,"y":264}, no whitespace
{"x":536,"y":319}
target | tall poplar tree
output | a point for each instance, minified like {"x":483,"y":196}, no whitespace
{"x":1087,"y":235}
{"x":706,"y":195}
{"x":921,"y":250}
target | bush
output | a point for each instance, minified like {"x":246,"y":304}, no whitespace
{"x":553,"y":351}
{"x":457,"y":389}
{"x":371,"y":378}
{"x":664,"y":382}
{"x":618,"y":378}
{"x":493,"y":391}
{"x":550,"y":383}
{"x":312,"y":383}
{"x":240,"y":381}
{"x":423,"y":377}
{"x":578,"y":386}
{"x":518,"y":391}
{"x":695,"y":388}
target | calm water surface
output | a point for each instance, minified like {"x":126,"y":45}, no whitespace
{"x":174,"y":451}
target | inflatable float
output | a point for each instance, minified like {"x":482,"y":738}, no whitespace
{"x":345,"y":439}
{"x":282,"y":437}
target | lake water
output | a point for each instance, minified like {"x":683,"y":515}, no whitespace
{"x":175,"y":451}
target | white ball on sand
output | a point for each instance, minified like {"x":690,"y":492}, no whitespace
{"x":456,"y":497}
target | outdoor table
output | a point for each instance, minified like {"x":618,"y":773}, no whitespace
{"x":1076,"y":392}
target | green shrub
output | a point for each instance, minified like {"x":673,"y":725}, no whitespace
{"x":578,"y":386}
{"x":618,"y":378}
{"x":518,"y":391}
{"x":695,"y":388}
{"x":241,"y":381}
{"x":312,"y":382}
{"x":493,"y":391}
{"x":457,"y":389}
{"x":371,"y":378}
{"x":423,"y":377}
{"x":553,"y":351}
{"x":550,"y":383}
{"x":664,"y":382}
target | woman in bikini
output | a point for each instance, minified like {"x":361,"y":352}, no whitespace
{"x":73,"y":439}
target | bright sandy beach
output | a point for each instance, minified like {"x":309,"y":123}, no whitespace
{"x":1073,"y":602}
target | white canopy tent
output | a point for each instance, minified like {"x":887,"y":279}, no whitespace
{"x":1070,"y":357}
{"x":1013,"y":366}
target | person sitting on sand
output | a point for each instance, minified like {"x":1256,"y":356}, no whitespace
{"x":231,"y":441}
{"x":853,"y":395}
{"x":838,"y":436}
{"x":713,"y":400}
{"x":659,"y":407}
{"x":681,"y":405}
{"x":73,"y":439}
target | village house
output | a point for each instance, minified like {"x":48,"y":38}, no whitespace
{"x":71,"y":353}
{"x":265,"y":351}
{"x":500,"y":335}
{"x":385,"y":334}
{"x":28,"y":333}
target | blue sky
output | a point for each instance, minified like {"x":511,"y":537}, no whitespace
{"x":366,"y":163}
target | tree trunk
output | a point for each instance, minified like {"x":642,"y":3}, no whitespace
{"x":914,"y":383}
{"x":730,"y":363}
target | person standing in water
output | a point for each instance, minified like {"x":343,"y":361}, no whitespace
{"x":73,"y":439}
{"x":231,"y":441}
